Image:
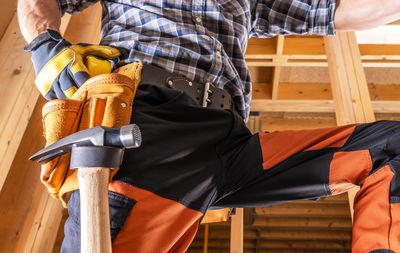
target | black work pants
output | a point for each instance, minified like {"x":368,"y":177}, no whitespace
{"x":194,"y":158}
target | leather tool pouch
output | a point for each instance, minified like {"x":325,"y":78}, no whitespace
{"x":104,"y":100}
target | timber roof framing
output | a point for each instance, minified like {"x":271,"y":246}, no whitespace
{"x":303,"y":226}
{"x":30,"y":218}
{"x":309,"y":51}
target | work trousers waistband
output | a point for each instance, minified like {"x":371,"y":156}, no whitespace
{"x":205,"y":95}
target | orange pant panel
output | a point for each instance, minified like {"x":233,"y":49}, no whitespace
{"x":372,"y":214}
{"x":348,"y":169}
{"x":300,"y":140}
{"x":394,"y":236}
{"x":155,"y":224}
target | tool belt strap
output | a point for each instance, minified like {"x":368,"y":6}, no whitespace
{"x":205,"y":94}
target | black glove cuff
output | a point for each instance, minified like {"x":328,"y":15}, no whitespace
{"x":42,"y":38}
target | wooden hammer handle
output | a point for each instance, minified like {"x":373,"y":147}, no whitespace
{"x":95,"y":217}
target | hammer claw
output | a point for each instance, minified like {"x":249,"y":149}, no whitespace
{"x":128,"y":136}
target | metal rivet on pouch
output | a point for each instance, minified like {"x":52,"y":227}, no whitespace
{"x":123,"y":105}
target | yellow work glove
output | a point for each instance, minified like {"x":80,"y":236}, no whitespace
{"x":61,"y":68}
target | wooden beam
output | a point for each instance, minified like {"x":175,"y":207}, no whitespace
{"x":315,"y":106}
{"x":349,"y":85}
{"x":377,"y":61}
{"x":248,"y":218}
{"x":206,"y":238}
{"x":325,"y":223}
{"x":199,"y":250}
{"x":236,"y":240}
{"x":262,"y":105}
{"x":33,"y":217}
{"x":310,"y":244}
{"x":282,"y":234}
{"x":307,"y":51}
{"x":7,"y":11}
{"x":277,"y":70}
{"x":18,"y":95}
{"x":304,"y":210}
{"x":290,"y":122}
{"x":321,"y":91}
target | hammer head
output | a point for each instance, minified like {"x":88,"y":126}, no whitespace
{"x":128,"y":136}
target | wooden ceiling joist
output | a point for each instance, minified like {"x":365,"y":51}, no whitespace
{"x":320,"y":223}
{"x":321,"y":91}
{"x":309,"y":51}
{"x":316,"y":106}
{"x":347,"y":95}
{"x":31,"y":218}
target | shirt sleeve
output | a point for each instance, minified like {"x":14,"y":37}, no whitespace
{"x":74,"y":6}
{"x":274,"y":17}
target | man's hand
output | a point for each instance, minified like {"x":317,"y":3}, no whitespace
{"x":61,"y":68}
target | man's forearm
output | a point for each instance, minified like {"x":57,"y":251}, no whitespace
{"x":36,"y":16}
{"x":364,"y":14}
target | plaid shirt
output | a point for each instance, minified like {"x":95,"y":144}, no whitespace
{"x":205,"y":40}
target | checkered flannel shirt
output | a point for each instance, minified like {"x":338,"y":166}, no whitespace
{"x":204,"y":40}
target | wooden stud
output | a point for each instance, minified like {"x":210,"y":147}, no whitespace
{"x":277,"y":69}
{"x":349,"y":85}
{"x":37,"y":216}
{"x":236,"y":243}
{"x":261,"y":105}
{"x":206,"y":229}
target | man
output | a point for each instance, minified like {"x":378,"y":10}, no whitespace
{"x":191,"y":104}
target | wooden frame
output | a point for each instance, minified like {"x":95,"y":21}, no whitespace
{"x":31,"y":218}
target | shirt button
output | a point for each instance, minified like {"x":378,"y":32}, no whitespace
{"x":198,"y":19}
{"x":218,"y":53}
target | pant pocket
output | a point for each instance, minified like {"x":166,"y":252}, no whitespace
{"x":120,"y":208}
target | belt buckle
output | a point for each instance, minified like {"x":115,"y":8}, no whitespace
{"x":207,"y":91}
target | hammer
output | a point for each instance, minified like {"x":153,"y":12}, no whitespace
{"x":94,"y":152}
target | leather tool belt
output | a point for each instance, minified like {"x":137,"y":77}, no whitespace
{"x":205,"y":95}
{"x":107,"y":100}
{"x":103,"y":100}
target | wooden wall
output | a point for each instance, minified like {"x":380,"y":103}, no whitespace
{"x":291,"y":90}
{"x":29,"y":218}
